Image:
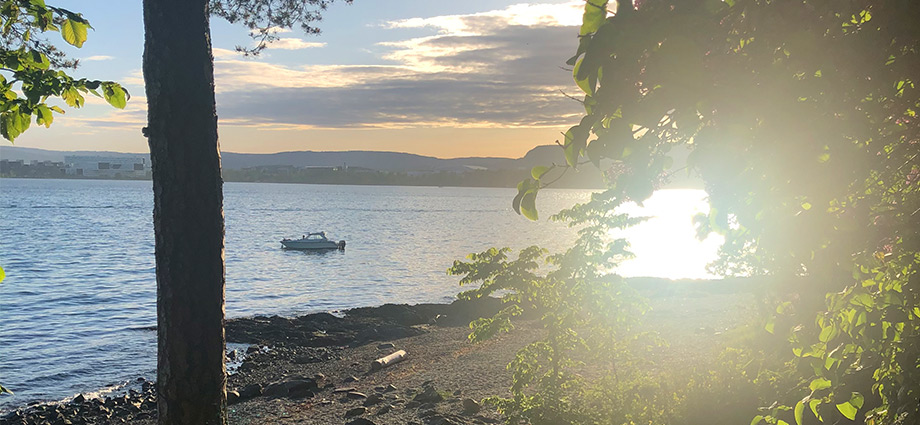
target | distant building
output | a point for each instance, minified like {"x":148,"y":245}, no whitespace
{"x":106,"y":166}
{"x":39,"y":169}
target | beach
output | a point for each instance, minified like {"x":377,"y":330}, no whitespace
{"x":317,"y":368}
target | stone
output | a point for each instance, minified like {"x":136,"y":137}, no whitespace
{"x":385,"y":409}
{"x":344,"y":390}
{"x":250,"y":391}
{"x":361,"y":421}
{"x":389,"y":388}
{"x":355,"y":395}
{"x":386,"y":345}
{"x":277,"y":389}
{"x":372,"y":400}
{"x":301,"y":388}
{"x":429,"y":395}
{"x":357,"y":411}
{"x":470,"y":406}
{"x":79,"y":399}
{"x":351,"y":379}
{"x":233,"y":397}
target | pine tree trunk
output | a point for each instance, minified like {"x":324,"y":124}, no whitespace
{"x":188,"y":212}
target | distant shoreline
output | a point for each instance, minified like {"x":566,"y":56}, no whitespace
{"x":420,"y":181}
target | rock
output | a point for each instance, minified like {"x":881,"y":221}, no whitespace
{"x":79,"y":399}
{"x":429,"y":395}
{"x":233,"y":397}
{"x":385,"y":409}
{"x":389,"y":388}
{"x":357,"y":411}
{"x":351,"y":379}
{"x":344,"y":390}
{"x":277,"y":389}
{"x":361,"y":421}
{"x":250,"y":391}
{"x":412,"y":404}
{"x":355,"y":395}
{"x":296,"y":387}
{"x":470,"y":406}
{"x":386,"y":346}
{"x":458,"y":392}
{"x":372,"y":400}
{"x":301,"y":388}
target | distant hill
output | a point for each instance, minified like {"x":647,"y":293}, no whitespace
{"x":381,"y":161}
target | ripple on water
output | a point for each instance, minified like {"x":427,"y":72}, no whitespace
{"x":80,"y":293}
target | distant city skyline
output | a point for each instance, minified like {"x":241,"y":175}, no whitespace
{"x":443,"y":79}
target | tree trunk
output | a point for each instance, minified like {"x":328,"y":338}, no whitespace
{"x":187,"y":213}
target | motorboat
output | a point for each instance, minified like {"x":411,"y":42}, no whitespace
{"x":312,"y":241}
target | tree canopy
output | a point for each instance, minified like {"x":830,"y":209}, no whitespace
{"x":802,"y":121}
{"x":32,"y":69}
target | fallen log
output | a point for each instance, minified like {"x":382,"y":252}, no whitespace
{"x":389,"y":360}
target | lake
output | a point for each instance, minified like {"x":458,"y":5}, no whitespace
{"x":79,"y":299}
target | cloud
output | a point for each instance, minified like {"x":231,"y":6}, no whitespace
{"x":293,"y":44}
{"x":98,"y":58}
{"x":494,"y":69}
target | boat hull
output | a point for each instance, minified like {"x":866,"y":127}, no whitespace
{"x":310,"y":245}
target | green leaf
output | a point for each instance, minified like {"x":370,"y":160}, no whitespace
{"x":587,"y":84}
{"x":538,"y":171}
{"x":528,"y":204}
{"x":799,"y":412}
{"x":43,"y":115}
{"x":2,"y":274}
{"x":813,"y":404}
{"x":73,"y":98}
{"x":74,"y":32}
{"x":5,"y":390}
{"x":14,"y":122}
{"x":771,"y":324}
{"x":851,"y":407}
{"x":115,"y":94}
{"x":819,"y":384}
{"x":594,"y":16}
{"x":757,"y":419}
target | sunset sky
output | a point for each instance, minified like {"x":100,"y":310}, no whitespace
{"x":440,"y":78}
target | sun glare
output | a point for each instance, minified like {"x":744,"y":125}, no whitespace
{"x":665,"y":245}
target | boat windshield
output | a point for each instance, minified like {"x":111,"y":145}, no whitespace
{"x":316,"y":236}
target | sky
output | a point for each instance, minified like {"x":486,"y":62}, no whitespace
{"x":439,"y":78}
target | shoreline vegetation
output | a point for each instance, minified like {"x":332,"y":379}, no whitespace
{"x":317,"y":368}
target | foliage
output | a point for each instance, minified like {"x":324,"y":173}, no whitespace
{"x":802,"y":119}
{"x":29,"y":73}
{"x":587,"y":312}
{"x":28,"y":77}
{"x":265,"y":17}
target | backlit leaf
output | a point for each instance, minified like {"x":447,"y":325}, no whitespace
{"x":74,"y":32}
{"x":595,"y":13}
{"x":538,"y":171}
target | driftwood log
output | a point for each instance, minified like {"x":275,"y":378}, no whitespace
{"x":389,"y":360}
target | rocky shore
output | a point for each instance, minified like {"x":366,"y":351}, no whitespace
{"x":319,"y":365}
{"x":317,"y":368}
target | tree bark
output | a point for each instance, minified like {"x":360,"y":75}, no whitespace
{"x":187,"y":214}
